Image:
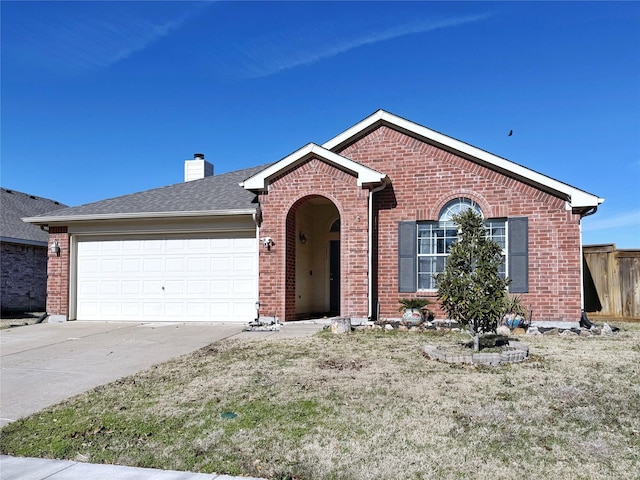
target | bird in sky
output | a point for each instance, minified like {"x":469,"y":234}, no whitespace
{"x":510,"y":133}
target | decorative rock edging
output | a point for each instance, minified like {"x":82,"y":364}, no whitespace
{"x":446,"y":325}
{"x":399,"y":325}
{"x":264,"y":324}
{"x":515,"y":352}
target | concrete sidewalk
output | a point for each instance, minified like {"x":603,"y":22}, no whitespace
{"x":18,"y":468}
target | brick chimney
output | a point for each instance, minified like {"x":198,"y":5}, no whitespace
{"x":197,"y":168}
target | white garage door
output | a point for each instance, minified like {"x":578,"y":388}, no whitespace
{"x":197,"y":279}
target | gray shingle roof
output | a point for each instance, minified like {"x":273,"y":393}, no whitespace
{"x":17,"y":205}
{"x":214,"y":193}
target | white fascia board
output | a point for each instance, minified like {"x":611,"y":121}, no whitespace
{"x":364,"y":175}
{"x":576,"y":197}
{"x":137,"y":215}
{"x":356,"y":129}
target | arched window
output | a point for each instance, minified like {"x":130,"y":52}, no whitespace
{"x":456,"y":206}
{"x":435,"y":240}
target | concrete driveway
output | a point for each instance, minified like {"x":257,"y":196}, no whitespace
{"x":46,"y":363}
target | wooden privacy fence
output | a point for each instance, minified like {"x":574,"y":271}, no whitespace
{"x":611,"y":282}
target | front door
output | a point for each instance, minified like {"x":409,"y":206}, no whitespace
{"x":334,"y":277}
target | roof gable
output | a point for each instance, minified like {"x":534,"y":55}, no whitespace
{"x":364,"y":175}
{"x":578,"y":199}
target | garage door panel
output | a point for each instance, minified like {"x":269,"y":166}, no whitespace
{"x":174,"y":287}
{"x":89,"y":265}
{"x":241,"y":286}
{"x":197,"y":310}
{"x":88,"y":288}
{"x":151,"y":246}
{"x":174,"y":309}
{"x":130,"y":265}
{"x":244,"y":310}
{"x":130,"y":310}
{"x":197,"y":288}
{"x":243,"y":265}
{"x":243,"y":245}
{"x":110,"y":287}
{"x":109,"y":310}
{"x":174,"y":265}
{"x":152,"y":287}
{"x":219,"y":288}
{"x":197,"y":245}
{"x":197,"y":264}
{"x":87,"y":309}
{"x":200,"y":279}
{"x":152,"y":309}
{"x":111,"y":247}
{"x":152,"y":265}
{"x":132,"y":247}
{"x":221,"y":245}
{"x":220,"y":265}
{"x":176,"y":245}
{"x":130,"y":288}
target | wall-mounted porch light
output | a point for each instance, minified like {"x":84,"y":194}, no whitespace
{"x":303,"y":238}
{"x":55,"y":248}
{"x":267,"y":242}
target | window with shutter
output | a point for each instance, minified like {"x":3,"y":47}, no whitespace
{"x":519,"y":254}
{"x":424,"y":247}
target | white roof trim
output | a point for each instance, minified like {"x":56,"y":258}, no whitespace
{"x":364,"y":175}
{"x":123,"y":216}
{"x":577,"y":198}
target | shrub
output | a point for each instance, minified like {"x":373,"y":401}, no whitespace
{"x":470,"y":287}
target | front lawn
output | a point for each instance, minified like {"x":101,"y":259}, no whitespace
{"x":364,"y":405}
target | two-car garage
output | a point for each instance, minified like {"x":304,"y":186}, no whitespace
{"x":170,"y":278}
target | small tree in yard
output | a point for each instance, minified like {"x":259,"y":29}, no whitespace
{"x":470,"y":288}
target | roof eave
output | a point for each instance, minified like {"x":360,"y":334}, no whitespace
{"x":23,"y":241}
{"x":577,"y":198}
{"x":364,"y":175}
{"x":136,"y":215}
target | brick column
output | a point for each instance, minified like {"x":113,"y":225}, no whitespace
{"x":58,"y":275}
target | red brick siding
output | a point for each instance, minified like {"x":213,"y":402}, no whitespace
{"x":424,"y":178}
{"x":24,"y":278}
{"x":277,"y":265}
{"x":58,"y":280}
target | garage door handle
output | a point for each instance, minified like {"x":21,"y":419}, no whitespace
{"x":163,"y":288}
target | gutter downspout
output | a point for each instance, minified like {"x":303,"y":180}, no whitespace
{"x":582,"y":260}
{"x":591,"y":211}
{"x":370,"y":272}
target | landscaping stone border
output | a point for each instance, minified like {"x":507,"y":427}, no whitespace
{"x":514,"y":352}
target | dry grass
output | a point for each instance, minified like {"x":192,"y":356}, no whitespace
{"x":361,"y":406}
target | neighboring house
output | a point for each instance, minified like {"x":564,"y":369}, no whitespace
{"x":23,"y":252}
{"x":344,"y":228}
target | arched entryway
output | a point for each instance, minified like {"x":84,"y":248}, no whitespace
{"x":313,"y":259}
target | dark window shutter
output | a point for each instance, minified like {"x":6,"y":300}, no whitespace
{"x":519,"y":254}
{"x":407,"y":269}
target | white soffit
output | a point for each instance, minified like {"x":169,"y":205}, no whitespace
{"x":577,"y":198}
{"x":364,"y":175}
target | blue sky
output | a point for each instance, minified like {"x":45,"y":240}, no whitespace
{"x":100,"y":99}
